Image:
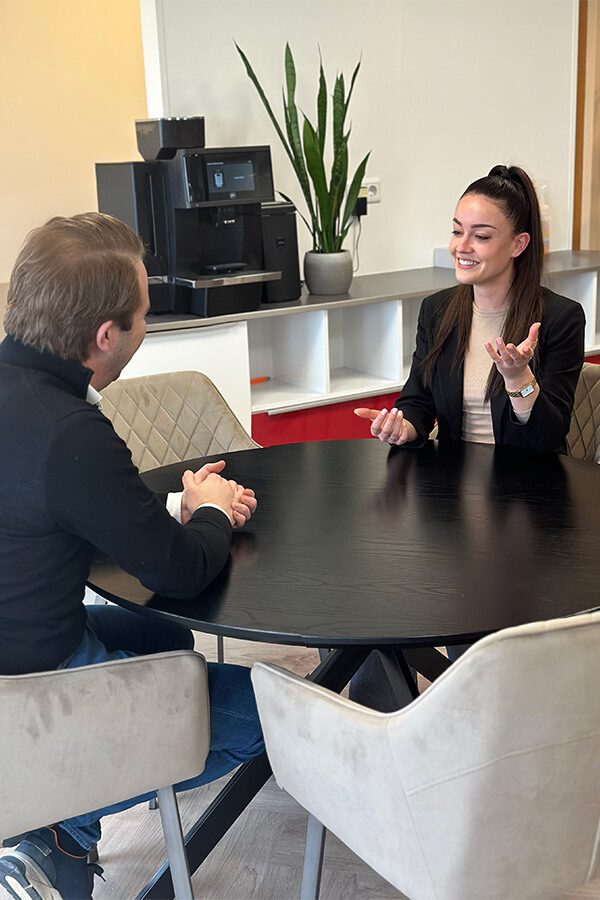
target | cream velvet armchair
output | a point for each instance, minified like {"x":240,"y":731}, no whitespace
{"x":76,"y":740}
{"x":487,"y":787}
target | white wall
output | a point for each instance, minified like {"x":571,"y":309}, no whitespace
{"x":447,"y":89}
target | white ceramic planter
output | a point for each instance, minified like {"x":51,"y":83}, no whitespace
{"x":328,"y":273}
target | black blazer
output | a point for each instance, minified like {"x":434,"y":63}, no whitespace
{"x":559,"y":362}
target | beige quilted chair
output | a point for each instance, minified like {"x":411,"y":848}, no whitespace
{"x":486,"y":787}
{"x":583,"y":440}
{"x":171,"y":417}
{"x":75,"y":740}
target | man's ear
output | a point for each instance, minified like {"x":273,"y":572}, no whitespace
{"x":105,"y":336}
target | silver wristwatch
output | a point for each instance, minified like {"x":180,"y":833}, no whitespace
{"x":525,"y":391}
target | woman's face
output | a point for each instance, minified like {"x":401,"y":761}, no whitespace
{"x":483,"y":245}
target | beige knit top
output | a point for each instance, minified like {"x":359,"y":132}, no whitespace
{"x":477,"y":416}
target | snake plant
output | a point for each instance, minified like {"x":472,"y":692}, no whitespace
{"x":330,"y":204}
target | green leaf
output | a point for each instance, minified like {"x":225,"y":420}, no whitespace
{"x":266,"y":104}
{"x":339,"y":111}
{"x":352,"y":80}
{"x":339,"y":178}
{"x":302,"y":216}
{"x":353,"y":193}
{"x":321,"y":107}
{"x":293,"y":131}
{"x":299,"y":165}
{"x":316,"y":170}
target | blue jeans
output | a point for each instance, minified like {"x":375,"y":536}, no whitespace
{"x":115,"y":633}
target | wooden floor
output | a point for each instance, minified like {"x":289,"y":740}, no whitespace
{"x":261,"y":856}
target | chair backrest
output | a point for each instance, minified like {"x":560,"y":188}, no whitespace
{"x":487,"y":785}
{"x":583,"y":440}
{"x":171,"y":417}
{"x":75,"y":740}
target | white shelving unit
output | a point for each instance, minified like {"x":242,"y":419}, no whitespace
{"x":321,"y":350}
{"x":325,"y":356}
{"x":582,"y":286}
{"x":574,"y":273}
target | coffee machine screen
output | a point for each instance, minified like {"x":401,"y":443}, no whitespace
{"x":237,"y":175}
{"x":229,"y":178}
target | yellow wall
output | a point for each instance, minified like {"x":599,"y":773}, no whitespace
{"x":71,"y":85}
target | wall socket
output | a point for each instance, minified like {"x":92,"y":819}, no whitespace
{"x":371,"y":189}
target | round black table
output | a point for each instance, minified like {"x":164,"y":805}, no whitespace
{"x":354,"y":544}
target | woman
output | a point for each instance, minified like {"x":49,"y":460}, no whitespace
{"x":497,"y":357}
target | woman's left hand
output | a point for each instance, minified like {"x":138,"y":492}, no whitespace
{"x":511,"y":359}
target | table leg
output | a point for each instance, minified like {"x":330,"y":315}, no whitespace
{"x":428,"y":661}
{"x":334,"y":672}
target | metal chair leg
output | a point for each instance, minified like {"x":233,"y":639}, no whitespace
{"x":313,"y":859}
{"x":153,"y":804}
{"x":178,"y":861}
{"x":220,"y":648}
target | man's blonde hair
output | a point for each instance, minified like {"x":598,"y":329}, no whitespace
{"x":72,"y":275}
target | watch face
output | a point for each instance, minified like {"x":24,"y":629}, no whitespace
{"x":527,"y":390}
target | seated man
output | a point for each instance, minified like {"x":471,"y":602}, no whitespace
{"x":77,"y":303}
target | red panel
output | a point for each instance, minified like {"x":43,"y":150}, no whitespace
{"x":321,"y":423}
{"x":593,"y":359}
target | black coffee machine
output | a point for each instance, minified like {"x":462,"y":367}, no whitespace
{"x":199,"y":212}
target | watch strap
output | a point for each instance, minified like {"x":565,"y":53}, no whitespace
{"x":525,"y":391}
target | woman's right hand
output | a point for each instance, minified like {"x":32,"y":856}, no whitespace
{"x":390,"y":427}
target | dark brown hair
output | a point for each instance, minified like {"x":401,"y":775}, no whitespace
{"x":512,"y":189}
{"x":72,"y":275}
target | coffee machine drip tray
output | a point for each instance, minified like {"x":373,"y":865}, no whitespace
{"x":222,"y":280}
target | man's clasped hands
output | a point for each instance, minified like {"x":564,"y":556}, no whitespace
{"x":208,"y":486}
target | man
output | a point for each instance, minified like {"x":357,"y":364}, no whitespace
{"x":76,"y":311}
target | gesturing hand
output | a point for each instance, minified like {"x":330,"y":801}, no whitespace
{"x":510,"y":359}
{"x":389,"y":427}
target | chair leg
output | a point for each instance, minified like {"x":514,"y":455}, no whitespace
{"x":220,"y":648}
{"x":153,"y":804}
{"x":178,"y":861}
{"x":313,"y":859}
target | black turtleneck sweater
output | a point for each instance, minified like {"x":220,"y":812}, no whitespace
{"x":68,"y":488}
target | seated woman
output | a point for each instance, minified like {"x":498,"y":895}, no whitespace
{"x":498,"y":356}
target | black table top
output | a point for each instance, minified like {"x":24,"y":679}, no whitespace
{"x":355,"y":544}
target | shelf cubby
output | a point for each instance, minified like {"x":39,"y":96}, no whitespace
{"x":365,"y":349}
{"x":291,"y":351}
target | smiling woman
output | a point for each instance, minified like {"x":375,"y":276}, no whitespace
{"x":498,"y":356}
